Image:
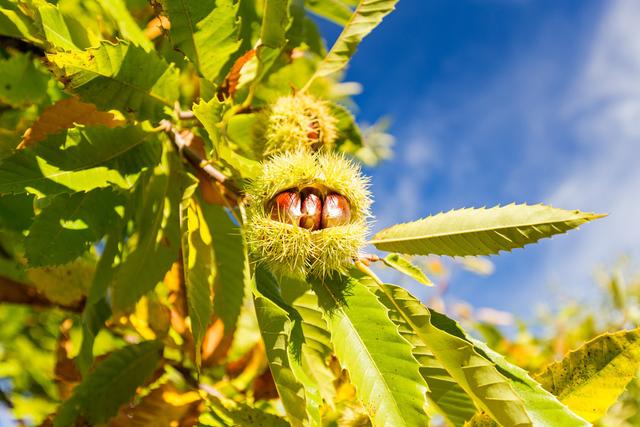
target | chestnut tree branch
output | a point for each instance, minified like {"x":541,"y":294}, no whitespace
{"x":182,"y":141}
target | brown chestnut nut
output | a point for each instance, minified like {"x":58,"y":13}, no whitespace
{"x":336,"y":211}
{"x":285,"y":207}
{"x":311,"y":210}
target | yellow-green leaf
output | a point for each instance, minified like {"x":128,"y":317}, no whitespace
{"x":473,"y":232}
{"x":590,"y":379}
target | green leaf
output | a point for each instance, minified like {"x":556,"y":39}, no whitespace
{"x":542,"y":406}
{"x":276,"y":327}
{"x":274,"y":23}
{"x":199,"y":270}
{"x":481,"y":231}
{"x":368,"y":14}
{"x":206,"y":32}
{"x":590,"y":379}
{"x":209,"y":113}
{"x":97,"y":310}
{"x":70,"y":224}
{"x":156,"y":220}
{"x":111,"y":384}
{"x":379,"y":360}
{"x":120,"y":76}
{"x":79,"y":160}
{"x":21,"y":81}
{"x":445,"y":394}
{"x":231,"y":265}
{"x":473,"y":373}
{"x":54,"y":27}
{"x":127,"y":25}
{"x":16,"y":211}
{"x":405,"y":266}
{"x":317,"y":347}
{"x":14,"y":23}
{"x":333,"y":10}
{"x":93,"y":318}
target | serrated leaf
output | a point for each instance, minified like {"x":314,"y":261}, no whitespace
{"x":206,"y":32}
{"x":231,"y":264}
{"x":199,"y":271}
{"x":367,"y":15}
{"x":334,"y":10}
{"x":473,"y":232}
{"x":543,"y":408}
{"x":70,"y":224}
{"x":209,"y":113}
{"x":403,"y":265}
{"x":449,"y":399}
{"x":380,"y":362}
{"x":317,"y":346}
{"x":21,"y":81}
{"x":120,"y":76}
{"x":111,"y":384}
{"x":65,"y":114}
{"x":590,"y":379}
{"x":156,"y":219}
{"x":79,"y":160}
{"x":275,"y":327}
{"x":473,"y":373}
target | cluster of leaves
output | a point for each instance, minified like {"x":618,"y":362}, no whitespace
{"x":127,"y":138}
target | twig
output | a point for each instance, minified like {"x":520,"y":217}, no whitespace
{"x":14,"y":292}
{"x":182,"y":142}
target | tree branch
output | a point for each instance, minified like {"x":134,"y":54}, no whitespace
{"x":182,"y":141}
{"x":14,"y":292}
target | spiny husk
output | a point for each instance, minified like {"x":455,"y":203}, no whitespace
{"x":290,"y":249}
{"x":291,"y":122}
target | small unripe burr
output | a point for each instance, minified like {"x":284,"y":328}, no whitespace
{"x":311,"y":211}
{"x":336,"y":211}
{"x":286,"y":207}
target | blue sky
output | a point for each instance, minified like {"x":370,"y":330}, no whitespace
{"x":494,"y":101}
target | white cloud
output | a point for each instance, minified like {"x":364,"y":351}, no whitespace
{"x":604,"y":111}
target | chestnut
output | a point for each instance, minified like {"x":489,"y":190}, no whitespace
{"x":286,"y":207}
{"x":311,"y":210}
{"x":336,"y":211}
